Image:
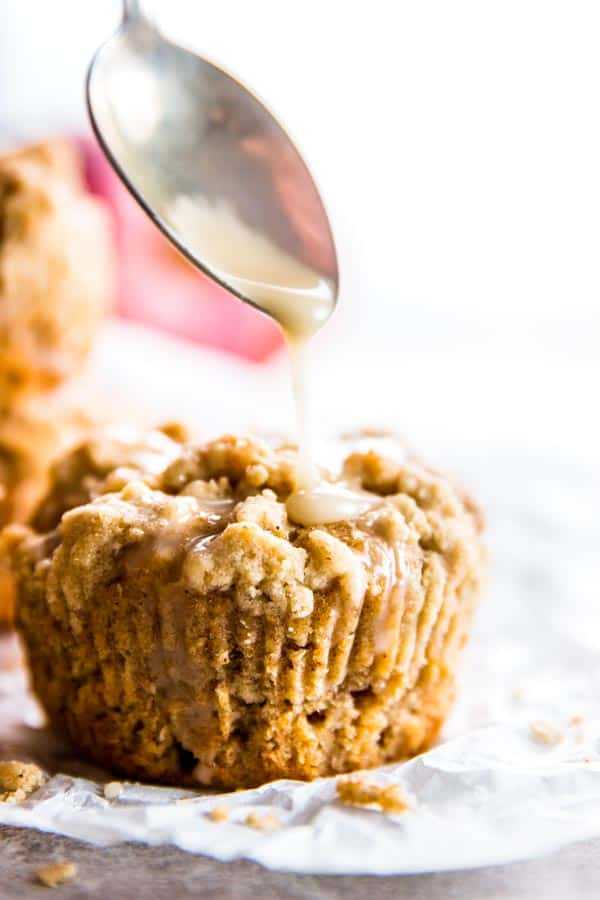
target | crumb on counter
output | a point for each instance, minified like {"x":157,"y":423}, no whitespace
{"x":113,"y":789}
{"x":262,"y":821}
{"x":56,"y":873}
{"x":518,"y":694}
{"x":545,"y":733}
{"x":576,"y":723}
{"x":18,"y":780}
{"x":360,"y":790}
{"x":218,"y":814}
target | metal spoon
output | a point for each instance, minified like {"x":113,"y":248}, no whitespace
{"x":215,"y":171}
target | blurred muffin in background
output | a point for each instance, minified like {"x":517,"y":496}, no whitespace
{"x":31,"y":437}
{"x":56,"y":283}
{"x":56,"y":269}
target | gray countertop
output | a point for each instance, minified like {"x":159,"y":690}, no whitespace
{"x":135,"y":871}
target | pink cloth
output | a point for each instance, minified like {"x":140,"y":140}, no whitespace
{"x":158,"y":287}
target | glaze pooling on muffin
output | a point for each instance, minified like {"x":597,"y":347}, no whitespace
{"x":326,"y":503}
{"x":181,"y":627}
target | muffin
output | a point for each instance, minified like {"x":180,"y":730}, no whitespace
{"x":31,"y":438}
{"x":180,"y":627}
{"x":56,"y":269}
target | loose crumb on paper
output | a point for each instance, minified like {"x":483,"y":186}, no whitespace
{"x":18,"y":780}
{"x":262,"y":821}
{"x":545,"y":733}
{"x":576,"y":724}
{"x":56,"y":873}
{"x":359,"y":790}
{"x":113,"y":789}
{"x":218,"y":814}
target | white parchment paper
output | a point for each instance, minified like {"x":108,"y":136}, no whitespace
{"x":488,"y":793}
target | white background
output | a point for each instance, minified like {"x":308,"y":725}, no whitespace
{"x":458,"y":147}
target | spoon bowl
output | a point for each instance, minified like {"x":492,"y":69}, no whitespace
{"x":216,"y":172}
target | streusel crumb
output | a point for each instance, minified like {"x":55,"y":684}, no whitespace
{"x":18,"y":780}
{"x":219,"y":814}
{"x":359,"y":790}
{"x":263,"y":821}
{"x":56,"y":873}
{"x":545,"y":733}
{"x":113,"y":789}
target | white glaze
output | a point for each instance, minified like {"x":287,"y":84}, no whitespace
{"x":301,"y":301}
{"x":325,"y":503}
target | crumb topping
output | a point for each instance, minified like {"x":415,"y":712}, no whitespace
{"x":360,"y":790}
{"x":54,"y":874}
{"x":545,"y":733}
{"x":113,"y":789}
{"x":218,"y":814}
{"x":18,"y":780}
{"x":266,"y":822}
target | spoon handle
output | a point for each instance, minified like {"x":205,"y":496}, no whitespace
{"x":132,"y":9}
